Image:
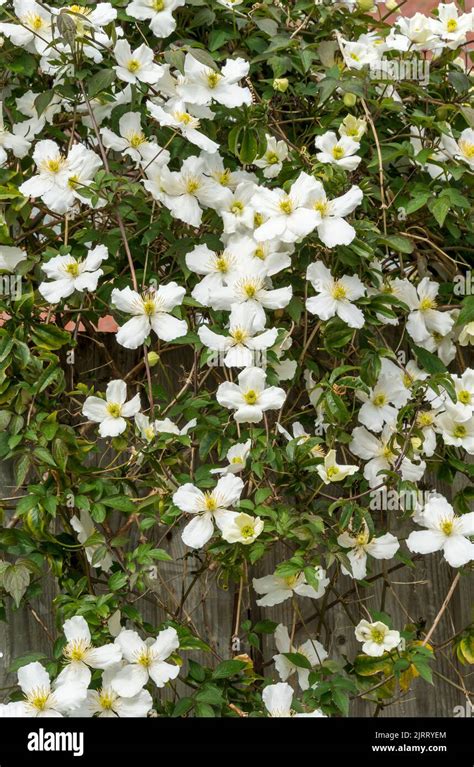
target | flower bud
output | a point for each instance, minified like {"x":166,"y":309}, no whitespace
{"x":349,"y":99}
{"x":281,"y":84}
{"x":153,"y":358}
{"x":365,"y":5}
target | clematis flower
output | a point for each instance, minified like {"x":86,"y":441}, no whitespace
{"x":466,"y":336}
{"x":312,"y":650}
{"x":251,"y":289}
{"x":463,"y":149}
{"x":382,"y":403}
{"x":301,"y":436}
{"x":452,"y":26}
{"x":150,"y":312}
{"x":353,"y":127}
{"x":419,"y":31}
{"x":377,"y":638}
{"x":217,"y":268}
{"x":237,"y":458}
{"x":335,"y":295}
{"x":14,"y":142}
{"x":249,"y":398}
{"x":464,"y":388}
{"x":340,"y":152}
{"x":445,"y":532}
{"x":330,"y":471}
{"x":277,"y":589}
{"x":237,"y":210}
{"x":84,"y":527}
{"x":288,"y":217}
{"x":243,"y":528}
{"x":183,"y":192}
{"x":33,"y":32}
{"x":333,"y":229}
{"x":243,"y":341}
{"x":159,"y":12}
{"x":209,"y":507}
{"x":272,"y":161}
{"x":69,"y":274}
{"x":145,"y":660}
{"x":457,"y":427}
{"x":424,"y":318}
{"x":138,"y":65}
{"x":203,"y":85}
{"x":80,"y":654}
{"x":112,"y":412}
{"x":361,"y":546}
{"x":10,"y":257}
{"x":381,"y":456}
{"x":41,"y":698}
{"x":278,"y":699}
{"x":148,"y":430}
{"x":131,"y":141}
{"x":105,"y":702}
{"x":175,"y":115}
{"x":272,"y":255}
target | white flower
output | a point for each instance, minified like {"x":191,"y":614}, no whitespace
{"x":331,"y":471}
{"x":272,"y":255}
{"x":377,"y":638}
{"x":136,"y":66}
{"x":150,"y":312}
{"x":84,"y":527}
{"x":148,"y":431}
{"x":242,"y":528}
{"x":10,"y":257}
{"x":357,"y":54}
{"x":237,"y":210}
{"x":112,"y":412}
{"x":131,"y":141}
{"x":272,"y":161}
{"x":105,"y":702}
{"x":452,"y":26}
{"x":335,"y":296}
{"x":289,"y":218}
{"x":145,"y":660}
{"x":353,"y":127}
{"x":361,"y":545}
{"x":160,"y":13}
{"x":381,"y":456}
{"x":445,"y":531}
{"x":244,"y":344}
{"x":250,"y":288}
{"x":203,"y":85}
{"x":424,"y":318}
{"x":237,"y":458}
{"x":209,"y":507}
{"x":301,"y":436}
{"x":183,"y":192}
{"x":81,"y":656}
{"x":277,"y":589}
{"x":278,"y":699}
{"x":340,"y":152}
{"x":15,"y":143}
{"x":34,"y":30}
{"x":464,"y":387}
{"x":457,"y":427}
{"x":175,"y":115}
{"x":382,"y":403}
{"x":312,"y":650}
{"x":69,"y":274}
{"x":419,"y":31}
{"x":463,"y":149}
{"x":249,"y":398}
{"x":60,"y":179}
{"x":218,"y":269}
{"x":466,"y":336}
{"x":333,"y":230}
{"x":42,"y":699}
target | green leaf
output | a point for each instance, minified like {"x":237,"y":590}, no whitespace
{"x":297,"y":659}
{"x":228,"y":668}
{"x":430,"y":362}
{"x":399,"y":243}
{"x":119,"y":503}
{"x":15,"y":581}
{"x":439,"y":207}
{"x":100,"y":82}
